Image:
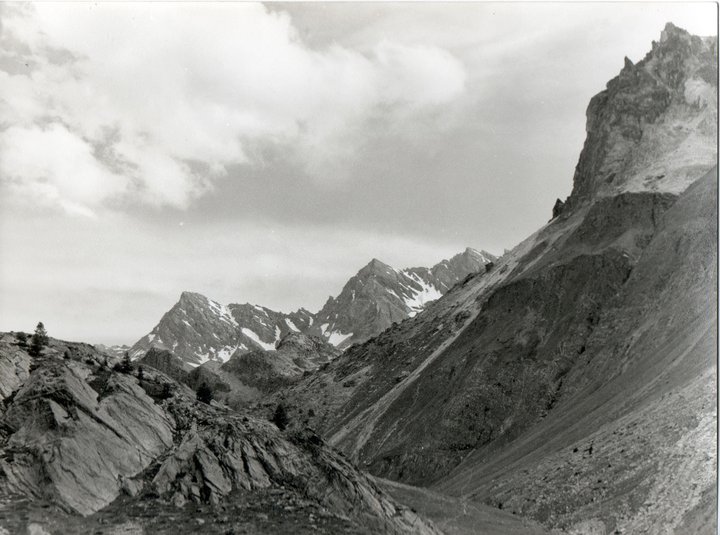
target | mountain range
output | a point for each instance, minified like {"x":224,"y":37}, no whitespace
{"x":197,"y":329}
{"x":568,"y":387}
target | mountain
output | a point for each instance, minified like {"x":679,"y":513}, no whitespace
{"x":198,"y":329}
{"x":88,"y":449}
{"x":380,"y":295}
{"x":575,"y":382}
{"x":249,"y":375}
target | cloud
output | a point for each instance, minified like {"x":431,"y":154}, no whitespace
{"x":30,"y":155}
{"x":155,"y":101}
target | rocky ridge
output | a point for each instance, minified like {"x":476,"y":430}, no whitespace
{"x":197,"y":329}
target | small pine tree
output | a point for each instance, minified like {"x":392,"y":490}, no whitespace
{"x":141,"y":374}
{"x":280,"y":417}
{"x":204,"y":393}
{"x":126,"y":366}
{"x":39,"y":340}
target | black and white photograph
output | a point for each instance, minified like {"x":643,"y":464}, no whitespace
{"x":358,"y":267}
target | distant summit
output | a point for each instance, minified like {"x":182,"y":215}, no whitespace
{"x":380,"y":295}
{"x":198,"y":329}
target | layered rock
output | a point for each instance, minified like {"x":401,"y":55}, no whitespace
{"x":82,"y":437}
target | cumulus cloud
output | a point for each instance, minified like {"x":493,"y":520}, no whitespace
{"x":152,"y":102}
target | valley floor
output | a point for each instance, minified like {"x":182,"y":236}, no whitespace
{"x":458,"y":516}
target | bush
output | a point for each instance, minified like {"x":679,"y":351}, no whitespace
{"x":166,"y":392}
{"x":204,"y":393}
{"x":125,"y":366}
{"x":280,"y":417}
{"x":22,"y":339}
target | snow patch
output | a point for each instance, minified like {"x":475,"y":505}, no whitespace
{"x":222,"y":312}
{"x":419,"y":298}
{"x":323,"y":328}
{"x":255,"y":338}
{"x":336,"y":337}
{"x":224,"y":353}
{"x":292,"y":326}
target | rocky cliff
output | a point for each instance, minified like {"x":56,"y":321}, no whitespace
{"x":655,"y":126}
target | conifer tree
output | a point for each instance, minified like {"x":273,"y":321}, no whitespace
{"x":39,"y":340}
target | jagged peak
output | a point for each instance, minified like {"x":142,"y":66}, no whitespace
{"x":375,"y":266}
{"x":671,"y":30}
{"x":192,"y":297}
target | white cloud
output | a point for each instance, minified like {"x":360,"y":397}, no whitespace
{"x":150,"y":90}
{"x":52,"y":165}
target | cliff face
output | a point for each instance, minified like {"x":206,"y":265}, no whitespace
{"x":654,"y":128}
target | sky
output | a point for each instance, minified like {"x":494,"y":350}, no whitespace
{"x":264,"y":153}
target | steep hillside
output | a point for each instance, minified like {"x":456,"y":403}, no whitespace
{"x":85,"y":448}
{"x":574,"y":378}
{"x":199,"y":330}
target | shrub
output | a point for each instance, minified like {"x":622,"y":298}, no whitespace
{"x":166,"y":392}
{"x":280,"y":417}
{"x":204,"y":393}
{"x":22,"y":339}
{"x":125,"y":366}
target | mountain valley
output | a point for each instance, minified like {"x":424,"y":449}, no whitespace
{"x":568,"y":386}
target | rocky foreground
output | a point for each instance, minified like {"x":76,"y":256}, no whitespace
{"x":86,"y":447}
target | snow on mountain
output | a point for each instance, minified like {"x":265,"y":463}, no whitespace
{"x":198,"y":329}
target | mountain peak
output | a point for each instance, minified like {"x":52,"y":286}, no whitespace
{"x":192,"y":298}
{"x":635,"y":119}
{"x":375,"y":267}
{"x":671,"y":30}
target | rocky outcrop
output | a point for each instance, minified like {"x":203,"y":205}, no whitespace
{"x":164,"y":361}
{"x":81,"y":436}
{"x":655,"y":126}
{"x":66,"y":443}
{"x":14,"y":364}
